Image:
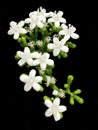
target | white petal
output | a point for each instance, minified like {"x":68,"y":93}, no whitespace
{"x":50,"y":20}
{"x":62,"y":108}
{"x":13,"y":24}
{"x":48,"y":103}
{"x":50,"y":46}
{"x":27,"y":87}
{"x":62,"y":32}
{"x":36,"y":62}
{"x":57,"y":116}
{"x":56,"y":52}
{"x":57,"y":23}
{"x":26,"y":50}
{"x":21,"y":23}
{"x":75,"y":36}
{"x":20,"y":54}
{"x":46,"y":55}
{"x":38,"y":78}
{"x":23,"y":31}
{"x":43,"y":66}
{"x":56,"y":102}
{"x":55,"y":40}
{"x":27,"y":20}
{"x":21,"y":62}
{"x":10,"y":32}
{"x":32,"y":26}
{"x":30,"y":62}
{"x":32,"y":73}
{"x":16,"y":36}
{"x":50,"y":62}
{"x":35,"y":55}
{"x":63,"y":20}
{"x":65,"y":49}
{"x":40,"y":24}
{"x":48,"y":112}
{"x":55,"y":92}
{"x":24,"y":78}
{"x":36,"y":86}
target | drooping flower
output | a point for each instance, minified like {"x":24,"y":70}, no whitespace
{"x":57,"y":18}
{"x":43,"y":60}
{"x":26,"y":57}
{"x":60,"y":93}
{"x":58,"y":46}
{"x":54,"y":108}
{"x":50,"y":80}
{"x":68,"y":31}
{"x":16,"y":29}
{"x":31,"y":81}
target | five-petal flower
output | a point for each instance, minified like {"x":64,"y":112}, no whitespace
{"x":54,"y":108}
{"x":68,"y":31}
{"x":43,"y":60}
{"x":31,"y":80}
{"x":58,"y":46}
{"x":16,"y":29}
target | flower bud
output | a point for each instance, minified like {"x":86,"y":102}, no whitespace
{"x":78,"y":99}
{"x":70,"y":79}
{"x":71,"y":100}
{"x":78,"y":91}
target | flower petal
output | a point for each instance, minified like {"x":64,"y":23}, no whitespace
{"x":50,"y":62}
{"x":30,"y":62}
{"x":21,"y":62}
{"x":57,"y":116}
{"x":65,"y":49}
{"x":21,"y":23}
{"x":20,"y":53}
{"x":32,"y":73}
{"x":56,"y":52}
{"x":48,"y":103}
{"x":26,"y":50}
{"x":62,"y":108}
{"x":27,"y":87}
{"x":50,"y":46}
{"x":43,"y":66}
{"x":56,"y":102}
{"x":36,"y":62}
{"x":16,"y":36}
{"x":36,"y":87}
{"x":75,"y":36}
{"x":38,"y":78}
{"x":48,"y":113}
{"x":24,"y":78}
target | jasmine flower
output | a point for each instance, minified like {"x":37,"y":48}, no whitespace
{"x":60,"y":93}
{"x":50,"y":80}
{"x":58,"y":46}
{"x":54,"y":108}
{"x":31,"y":80}
{"x":68,"y":31}
{"x":16,"y":29}
{"x":43,"y":60}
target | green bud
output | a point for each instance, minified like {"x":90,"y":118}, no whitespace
{"x":17,"y":57}
{"x":41,"y":89}
{"x":78,"y":99}
{"x":71,"y":100}
{"x":78,"y":91}
{"x":63,"y":54}
{"x":46,"y":97}
{"x":70,"y":79}
{"x":71,"y":45}
{"x":66,"y":85}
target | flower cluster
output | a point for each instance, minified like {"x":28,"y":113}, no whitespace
{"x":42,"y":36}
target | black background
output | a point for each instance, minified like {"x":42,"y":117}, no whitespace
{"x":25,"y":111}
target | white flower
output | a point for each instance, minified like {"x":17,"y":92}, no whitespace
{"x":69,"y":31}
{"x":58,"y":46}
{"x":43,"y":60}
{"x":50,"y":80}
{"x":26,"y":57}
{"x":60,"y":93}
{"x":37,"y":18}
{"x":16,"y":29}
{"x":57,"y":18}
{"x":31,"y":81}
{"x":54,"y":108}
